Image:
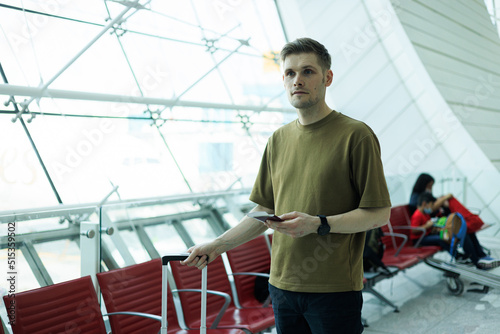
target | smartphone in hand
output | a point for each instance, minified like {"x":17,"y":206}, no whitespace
{"x":263,"y":216}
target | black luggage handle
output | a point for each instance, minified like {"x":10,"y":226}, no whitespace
{"x":176,"y":257}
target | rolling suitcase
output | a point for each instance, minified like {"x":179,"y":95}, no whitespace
{"x":181,"y":257}
{"x":203,"y":325}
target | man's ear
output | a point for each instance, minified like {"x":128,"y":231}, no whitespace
{"x":328,"y":78}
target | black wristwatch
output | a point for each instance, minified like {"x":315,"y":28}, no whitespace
{"x":324,"y":228}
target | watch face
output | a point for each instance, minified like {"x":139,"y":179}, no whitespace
{"x":324,"y":229}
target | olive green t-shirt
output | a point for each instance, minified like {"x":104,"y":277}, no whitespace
{"x":329,"y":167}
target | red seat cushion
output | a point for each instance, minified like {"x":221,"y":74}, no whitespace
{"x":401,"y":261}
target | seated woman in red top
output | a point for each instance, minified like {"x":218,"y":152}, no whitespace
{"x":421,"y":218}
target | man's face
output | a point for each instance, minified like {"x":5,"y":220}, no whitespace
{"x":304,"y":80}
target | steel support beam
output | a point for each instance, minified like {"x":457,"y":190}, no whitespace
{"x":66,"y":210}
{"x":36,"y":264}
{"x":147,"y":243}
{"x":90,"y":248}
{"x":183,"y":233}
{"x":37,"y":92}
{"x":117,"y":240}
{"x":217,"y":222}
{"x":44,"y":236}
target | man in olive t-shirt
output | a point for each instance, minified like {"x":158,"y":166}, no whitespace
{"x":322,"y":174}
{"x":326,"y":168}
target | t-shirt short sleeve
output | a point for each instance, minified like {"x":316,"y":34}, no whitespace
{"x":262,"y":192}
{"x":368,"y":173}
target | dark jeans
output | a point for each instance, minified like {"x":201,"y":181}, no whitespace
{"x":317,"y":313}
{"x":473,"y":248}
{"x":434,"y":240}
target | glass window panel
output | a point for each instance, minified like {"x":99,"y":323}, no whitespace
{"x":60,"y":254}
{"x":215,"y":157}
{"x":40,"y":225}
{"x":134,"y":246}
{"x":99,"y":154}
{"x":186,"y":141}
{"x":231,"y":219}
{"x":126,"y":213}
{"x":107,"y":242}
{"x":175,"y":20}
{"x":164,"y":73}
{"x":165,"y":239}
{"x":22,"y":179}
{"x":125,"y":217}
{"x":41,"y":50}
{"x":199,"y":230}
{"x":102,"y":68}
{"x":26,"y":280}
{"x":253,"y":87}
{"x":206,"y":87}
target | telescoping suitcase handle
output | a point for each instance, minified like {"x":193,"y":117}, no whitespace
{"x":181,"y":257}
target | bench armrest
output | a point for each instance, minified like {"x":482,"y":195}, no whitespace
{"x":139,"y":314}
{"x":415,"y":228}
{"x":224,"y":307}
{"x":251,"y":274}
{"x":268,"y":299}
{"x":399,"y":235}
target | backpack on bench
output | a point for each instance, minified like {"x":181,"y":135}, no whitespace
{"x":374,"y":252}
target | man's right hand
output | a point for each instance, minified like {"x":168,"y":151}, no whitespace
{"x":199,"y":254}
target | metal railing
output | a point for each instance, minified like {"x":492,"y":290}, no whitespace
{"x":107,"y":235}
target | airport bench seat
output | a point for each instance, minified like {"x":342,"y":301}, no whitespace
{"x":70,"y":306}
{"x":249,"y":261}
{"x":57,"y":308}
{"x":397,"y":240}
{"x":253,"y":320}
{"x":137,"y":288}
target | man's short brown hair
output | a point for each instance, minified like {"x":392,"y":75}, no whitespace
{"x":307,"y":45}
